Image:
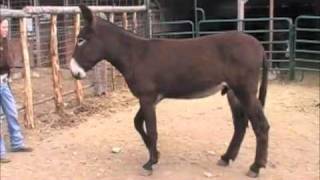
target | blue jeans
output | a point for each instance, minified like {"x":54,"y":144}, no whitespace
{"x":8,"y":105}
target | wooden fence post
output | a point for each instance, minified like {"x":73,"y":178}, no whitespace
{"x":135,"y":22}
{"x":125,"y":21}
{"x":79,"y":89}
{"x":28,"y":102}
{"x":125,"y":26}
{"x":54,"y":56}
{"x":112,"y":70}
{"x":100,"y":78}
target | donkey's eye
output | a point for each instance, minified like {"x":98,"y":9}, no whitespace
{"x":81,"y":41}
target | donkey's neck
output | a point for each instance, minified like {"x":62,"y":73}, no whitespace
{"x":120,"y":47}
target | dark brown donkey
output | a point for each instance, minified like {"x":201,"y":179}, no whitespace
{"x":188,"y":68}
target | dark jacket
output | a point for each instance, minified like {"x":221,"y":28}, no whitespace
{"x":4,"y":57}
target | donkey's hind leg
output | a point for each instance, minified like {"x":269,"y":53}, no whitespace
{"x":240,"y":122}
{"x":260,"y":127}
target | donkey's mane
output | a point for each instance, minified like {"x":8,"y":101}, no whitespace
{"x":113,"y":27}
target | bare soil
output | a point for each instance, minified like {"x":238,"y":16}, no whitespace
{"x":192,"y":136}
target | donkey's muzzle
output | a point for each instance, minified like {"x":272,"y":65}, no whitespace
{"x":76,"y":70}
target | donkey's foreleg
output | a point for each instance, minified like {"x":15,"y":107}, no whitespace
{"x":240,"y":122}
{"x":138,"y":123}
{"x":147,"y":105}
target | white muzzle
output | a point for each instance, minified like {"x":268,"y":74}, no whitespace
{"x":76,"y":70}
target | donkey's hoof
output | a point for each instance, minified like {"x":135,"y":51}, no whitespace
{"x":252,"y":174}
{"x":145,"y":172}
{"x":222,"y":163}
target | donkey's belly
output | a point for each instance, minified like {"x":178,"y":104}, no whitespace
{"x":199,"y":93}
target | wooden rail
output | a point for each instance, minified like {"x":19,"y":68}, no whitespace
{"x":75,"y":9}
{"x":13,"y":13}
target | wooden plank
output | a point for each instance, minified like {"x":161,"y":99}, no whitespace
{"x":75,"y":9}
{"x":54,"y":56}
{"x":28,"y":101}
{"x":79,"y":88}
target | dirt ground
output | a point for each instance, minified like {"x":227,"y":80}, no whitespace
{"x":192,"y":136}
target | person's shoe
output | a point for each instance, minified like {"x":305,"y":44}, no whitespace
{"x":22,"y":149}
{"x":4,"y":160}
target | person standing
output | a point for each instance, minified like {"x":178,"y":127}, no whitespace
{"x":7,"y":101}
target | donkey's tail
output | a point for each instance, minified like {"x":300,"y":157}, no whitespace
{"x":264,"y":81}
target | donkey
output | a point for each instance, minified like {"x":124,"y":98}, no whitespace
{"x":155,"y":69}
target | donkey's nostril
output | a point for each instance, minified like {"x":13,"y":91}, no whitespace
{"x":77,"y":76}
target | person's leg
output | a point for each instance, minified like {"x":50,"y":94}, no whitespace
{"x":9,"y":108}
{"x":2,"y":147}
{"x":3,"y":158}
{"x":2,"y":144}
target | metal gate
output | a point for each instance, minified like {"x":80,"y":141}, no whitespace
{"x":290,"y":47}
{"x":307,"y":44}
{"x":277,"y":42}
{"x":172,"y":29}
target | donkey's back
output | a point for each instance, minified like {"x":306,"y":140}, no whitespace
{"x":199,"y":67}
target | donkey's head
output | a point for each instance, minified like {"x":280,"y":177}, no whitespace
{"x":89,"y":47}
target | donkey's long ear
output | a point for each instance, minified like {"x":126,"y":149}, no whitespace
{"x":87,"y":14}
